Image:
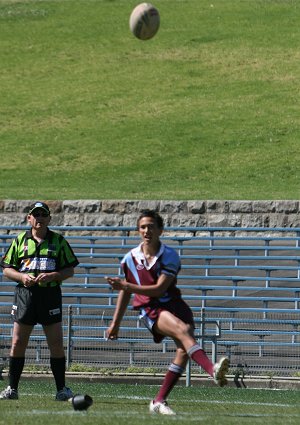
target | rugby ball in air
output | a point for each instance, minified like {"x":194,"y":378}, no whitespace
{"x":144,"y":21}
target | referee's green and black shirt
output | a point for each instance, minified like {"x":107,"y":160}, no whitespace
{"x":26,"y":255}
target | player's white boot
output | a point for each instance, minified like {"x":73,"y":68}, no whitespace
{"x":161,"y":408}
{"x":220,"y":370}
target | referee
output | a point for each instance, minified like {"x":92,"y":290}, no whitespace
{"x":38,"y":260}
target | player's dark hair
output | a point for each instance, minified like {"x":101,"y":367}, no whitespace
{"x":153,"y":214}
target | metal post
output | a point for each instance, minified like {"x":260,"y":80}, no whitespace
{"x":214,"y":350}
{"x":188,"y":374}
{"x":38,"y":351}
{"x":202,"y":329}
{"x":69,"y":337}
{"x":131,"y":354}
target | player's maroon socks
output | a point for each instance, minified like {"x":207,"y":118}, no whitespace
{"x":170,"y":380}
{"x":200,"y":357}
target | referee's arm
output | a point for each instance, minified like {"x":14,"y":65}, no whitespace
{"x":57,"y":276}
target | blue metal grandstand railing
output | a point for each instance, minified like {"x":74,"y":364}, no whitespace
{"x":244,"y":279}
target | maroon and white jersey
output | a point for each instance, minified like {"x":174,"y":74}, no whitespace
{"x":138,"y":271}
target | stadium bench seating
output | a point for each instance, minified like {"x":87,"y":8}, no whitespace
{"x":243,"y":279}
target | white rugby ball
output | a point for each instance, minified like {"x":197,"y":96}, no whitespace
{"x":144,"y":21}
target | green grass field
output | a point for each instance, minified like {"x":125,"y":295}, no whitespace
{"x":207,"y":109}
{"x":121,"y":404}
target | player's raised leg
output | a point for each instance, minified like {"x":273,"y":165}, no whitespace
{"x":172,"y":326}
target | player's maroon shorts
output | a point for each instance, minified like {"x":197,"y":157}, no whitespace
{"x":37,"y":305}
{"x":149,"y":315}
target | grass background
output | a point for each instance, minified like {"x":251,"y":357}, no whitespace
{"x":207,"y":109}
{"x":120,"y":404}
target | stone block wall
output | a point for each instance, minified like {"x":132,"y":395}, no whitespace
{"x":202,"y":213}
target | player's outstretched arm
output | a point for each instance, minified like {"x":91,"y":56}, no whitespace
{"x":121,"y":306}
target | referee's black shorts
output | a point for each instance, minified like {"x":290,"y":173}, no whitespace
{"x":37,"y":305}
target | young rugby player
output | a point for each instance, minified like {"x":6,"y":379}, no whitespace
{"x":150,"y":272}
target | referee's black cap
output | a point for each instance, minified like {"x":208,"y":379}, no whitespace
{"x":39,"y":205}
